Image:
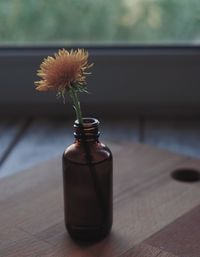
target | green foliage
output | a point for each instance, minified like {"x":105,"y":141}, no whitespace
{"x":99,"y":21}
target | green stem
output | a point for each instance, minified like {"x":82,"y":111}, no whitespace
{"x":73,"y":94}
{"x":77,"y":106}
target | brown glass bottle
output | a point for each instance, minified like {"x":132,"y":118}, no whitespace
{"x":87,"y":177}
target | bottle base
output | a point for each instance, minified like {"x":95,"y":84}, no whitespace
{"x":87,"y":234}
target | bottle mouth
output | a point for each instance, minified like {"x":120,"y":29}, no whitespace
{"x":89,"y":129}
{"x":87,"y":122}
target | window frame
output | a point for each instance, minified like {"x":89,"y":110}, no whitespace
{"x":126,"y":81}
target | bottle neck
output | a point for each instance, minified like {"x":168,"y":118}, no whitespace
{"x":88,"y":131}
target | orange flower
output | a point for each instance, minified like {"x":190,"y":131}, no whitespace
{"x":63,"y":70}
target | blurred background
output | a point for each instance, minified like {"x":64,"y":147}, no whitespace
{"x":44,"y":22}
{"x":145,"y":84}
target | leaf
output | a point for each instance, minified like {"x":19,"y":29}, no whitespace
{"x":74,"y":107}
{"x":58,"y":94}
{"x":80,"y":88}
{"x":86,"y":91}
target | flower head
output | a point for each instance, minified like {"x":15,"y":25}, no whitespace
{"x":63,"y":70}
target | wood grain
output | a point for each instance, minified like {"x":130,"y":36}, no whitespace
{"x":182,"y":237}
{"x":145,"y":250}
{"x":180,"y":136}
{"x":179,"y":239}
{"x":120,"y":130}
{"x":45,"y":139}
{"x":9,"y":130}
{"x":146,"y":199}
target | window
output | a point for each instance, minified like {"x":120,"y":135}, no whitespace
{"x":146,"y":52}
{"x":99,"y":21}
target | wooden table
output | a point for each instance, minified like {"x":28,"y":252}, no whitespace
{"x":154,"y":214}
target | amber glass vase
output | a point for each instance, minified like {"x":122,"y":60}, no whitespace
{"x":87,"y":177}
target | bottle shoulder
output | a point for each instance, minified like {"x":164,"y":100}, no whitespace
{"x":76,"y":152}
